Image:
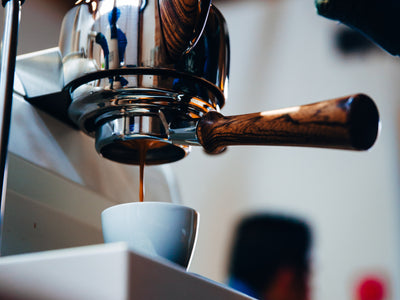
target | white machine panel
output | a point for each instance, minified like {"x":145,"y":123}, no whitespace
{"x":103,"y":272}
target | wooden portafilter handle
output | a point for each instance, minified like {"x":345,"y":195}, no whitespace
{"x":350,"y":123}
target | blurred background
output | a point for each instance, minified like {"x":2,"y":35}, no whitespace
{"x":283,"y":54}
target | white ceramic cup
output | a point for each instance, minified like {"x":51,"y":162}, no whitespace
{"x":157,"y":229}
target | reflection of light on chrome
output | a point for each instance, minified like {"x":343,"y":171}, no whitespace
{"x":107,"y":6}
{"x":201,"y":104}
{"x":94,"y":6}
{"x":94,"y":3}
{"x":280,"y":111}
{"x":225,"y":88}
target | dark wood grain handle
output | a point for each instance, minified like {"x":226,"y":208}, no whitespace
{"x":182,"y":23}
{"x":350,"y":122}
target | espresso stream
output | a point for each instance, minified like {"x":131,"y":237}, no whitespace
{"x":142,"y":147}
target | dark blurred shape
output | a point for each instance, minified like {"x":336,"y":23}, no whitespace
{"x":349,"y":42}
{"x":378,"y":19}
{"x":270,"y":257}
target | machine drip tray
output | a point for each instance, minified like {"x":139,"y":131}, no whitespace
{"x":106,"y":271}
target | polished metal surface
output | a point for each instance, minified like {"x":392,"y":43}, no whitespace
{"x":35,"y":68}
{"x":135,"y":33}
{"x":117,"y":138}
{"x":8,"y":57}
{"x":134,"y":57}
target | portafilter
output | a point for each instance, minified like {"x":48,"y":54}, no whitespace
{"x":157,"y":70}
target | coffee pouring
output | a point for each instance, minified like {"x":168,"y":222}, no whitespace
{"x":156,"y":72}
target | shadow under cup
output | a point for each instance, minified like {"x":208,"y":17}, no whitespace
{"x":156,"y":229}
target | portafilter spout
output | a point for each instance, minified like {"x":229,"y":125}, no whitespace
{"x":121,"y":139}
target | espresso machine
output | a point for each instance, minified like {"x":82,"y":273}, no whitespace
{"x":127,"y":73}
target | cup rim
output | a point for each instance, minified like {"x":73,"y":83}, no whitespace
{"x":149,"y":203}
